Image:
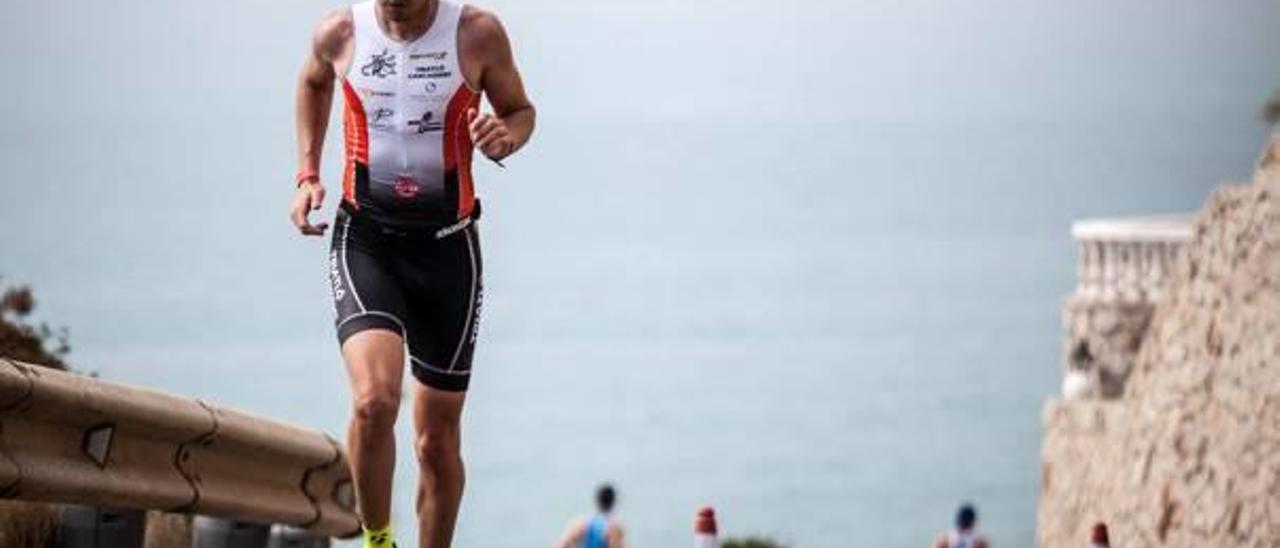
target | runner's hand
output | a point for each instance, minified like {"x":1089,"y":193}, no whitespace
{"x":308,"y":197}
{"x":490,"y":134}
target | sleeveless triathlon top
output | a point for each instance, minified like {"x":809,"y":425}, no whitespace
{"x":408,"y":149}
{"x":957,"y":539}
{"x":597,"y":535}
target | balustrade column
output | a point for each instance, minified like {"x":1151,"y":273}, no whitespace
{"x":1120,"y":269}
{"x":1110,"y":270}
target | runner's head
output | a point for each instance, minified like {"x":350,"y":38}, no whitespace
{"x":605,"y":497}
{"x":403,"y":10}
{"x":966,"y":517}
{"x":1099,"y":537}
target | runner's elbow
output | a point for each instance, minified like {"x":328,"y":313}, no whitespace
{"x":522,"y":116}
{"x":311,"y":82}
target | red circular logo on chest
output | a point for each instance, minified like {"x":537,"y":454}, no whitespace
{"x":406,"y":187}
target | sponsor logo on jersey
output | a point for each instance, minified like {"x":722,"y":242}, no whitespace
{"x":427,"y":123}
{"x":432,"y":55}
{"x":430,"y":71}
{"x":406,"y":187}
{"x":370,"y":92}
{"x":381,"y":118}
{"x":432,"y":94}
{"x":380,"y":65}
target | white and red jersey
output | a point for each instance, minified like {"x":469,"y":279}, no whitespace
{"x":408,"y":148}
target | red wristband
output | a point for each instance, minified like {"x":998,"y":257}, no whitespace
{"x":307,"y":175}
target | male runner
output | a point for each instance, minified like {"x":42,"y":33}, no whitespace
{"x":602,"y":530}
{"x":405,"y":260}
{"x":966,"y":534}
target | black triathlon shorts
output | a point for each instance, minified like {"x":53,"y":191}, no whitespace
{"x":425,"y":286}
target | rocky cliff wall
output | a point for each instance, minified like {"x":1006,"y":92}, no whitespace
{"x":1189,"y":456}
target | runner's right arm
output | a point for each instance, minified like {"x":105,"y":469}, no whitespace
{"x":940,"y":541}
{"x":572,"y":536}
{"x":314,"y":99}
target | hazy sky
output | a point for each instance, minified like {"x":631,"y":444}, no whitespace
{"x":144,"y":140}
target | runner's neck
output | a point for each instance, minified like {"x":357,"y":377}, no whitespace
{"x":411,"y":29}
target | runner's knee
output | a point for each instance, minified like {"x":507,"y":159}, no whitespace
{"x":376,"y":410}
{"x":438,"y":443}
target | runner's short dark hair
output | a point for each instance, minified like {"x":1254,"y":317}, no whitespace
{"x":966,"y":517}
{"x":605,"y":497}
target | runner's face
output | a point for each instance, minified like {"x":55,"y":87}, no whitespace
{"x":403,"y":10}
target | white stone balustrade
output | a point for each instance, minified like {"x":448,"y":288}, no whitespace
{"x":1122,"y":266}
{"x":1127,"y":259}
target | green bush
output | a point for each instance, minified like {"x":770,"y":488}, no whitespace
{"x":23,"y":342}
{"x":1271,"y":110}
{"x":751,"y":542}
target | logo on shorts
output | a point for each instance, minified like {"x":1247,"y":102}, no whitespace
{"x":335,"y":276}
{"x":406,"y":187}
{"x":380,"y":65}
{"x":475,"y":323}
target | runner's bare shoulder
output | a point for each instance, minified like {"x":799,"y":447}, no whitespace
{"x":332,"y":40}
{"x":480,"y":31}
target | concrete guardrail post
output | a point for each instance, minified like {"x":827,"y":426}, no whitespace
{"x":211,"y":532}
{"x":93,"y":527}
{"x":285,"y":536}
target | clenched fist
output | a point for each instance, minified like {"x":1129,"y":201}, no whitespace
{"x":309,"y":196}
{"x":490,"y":135}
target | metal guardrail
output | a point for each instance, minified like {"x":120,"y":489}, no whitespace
{"x":74,"y":439}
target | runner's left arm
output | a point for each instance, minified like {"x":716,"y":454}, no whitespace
{"x":616,"y":537}
{"x":500,"y":134}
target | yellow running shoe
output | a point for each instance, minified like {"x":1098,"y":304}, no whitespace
{"x":378,"y":538}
